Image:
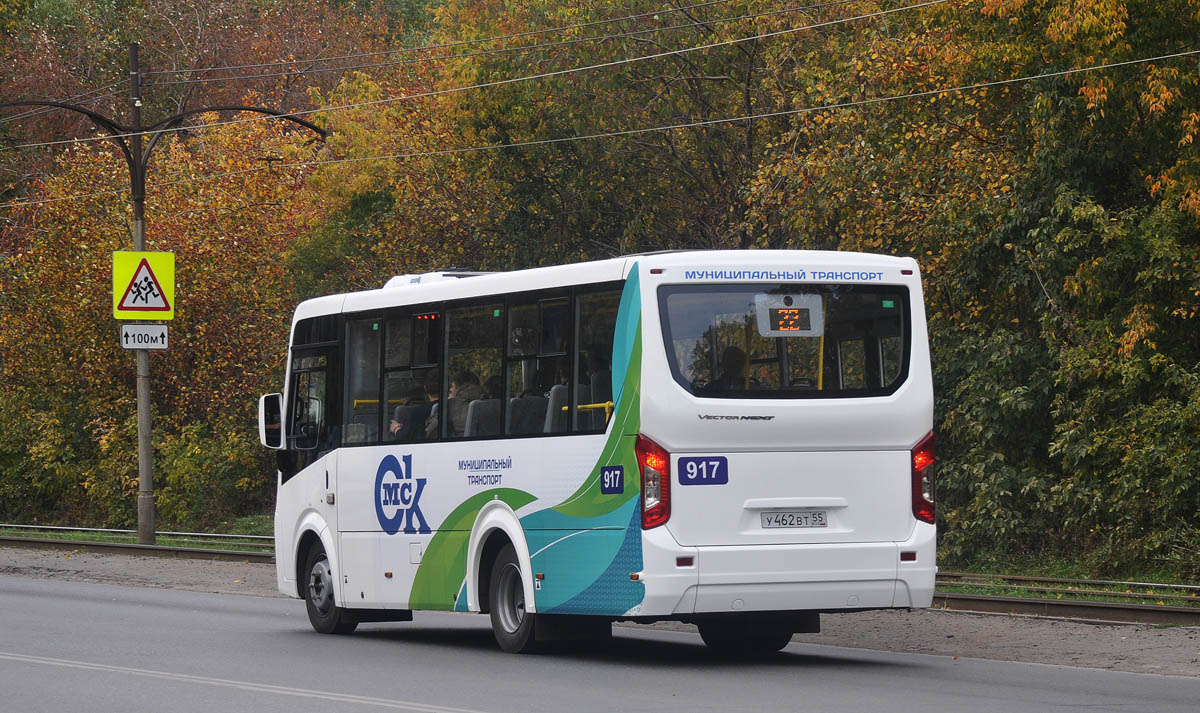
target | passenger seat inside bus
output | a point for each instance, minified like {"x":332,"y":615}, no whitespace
{"x":483,"y":418}
{"x":556,"y":417}
{"x":527,"y":414}
{"x":412,"y":420}
{"x":362,"y":426}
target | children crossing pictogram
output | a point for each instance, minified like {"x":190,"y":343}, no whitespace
{"x":144,"y":293}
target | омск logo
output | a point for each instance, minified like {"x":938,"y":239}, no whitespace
{"x":398,"y":497}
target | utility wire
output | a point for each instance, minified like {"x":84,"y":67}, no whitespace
{"x":630,"y":132}
{"x":513,"y":80}
{"x":449,"y":45}
{"x":73,"y":197}
{"x":508,"y":50}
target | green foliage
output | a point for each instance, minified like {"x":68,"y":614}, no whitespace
{"x":1127,"y":392}
{"x":13,"y":14}
{"x":211,"y":473}
{"x":410,"y":16}
{"x":993,"y":472}
{"x":1102,"y":281}
{"x":36,"y":463}
{"x":260,"y":524}
{"x":339,"y":256}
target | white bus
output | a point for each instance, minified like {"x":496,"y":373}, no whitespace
{"x":739,"y":440}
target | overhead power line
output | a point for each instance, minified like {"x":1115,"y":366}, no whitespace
{"x":527,"y":78}
{"x":450,"y":45}
{"x":630,"y":132}
{"x":507,"y":50}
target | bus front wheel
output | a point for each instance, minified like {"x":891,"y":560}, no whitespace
{"x":324,"y":614}
{"x":512,"y":624}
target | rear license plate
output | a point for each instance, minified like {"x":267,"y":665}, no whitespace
{"x":794,"y":518}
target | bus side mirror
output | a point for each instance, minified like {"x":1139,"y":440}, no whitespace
{"x":270,"y":421}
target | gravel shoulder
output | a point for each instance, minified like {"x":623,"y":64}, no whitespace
{"x":1119,"y":647}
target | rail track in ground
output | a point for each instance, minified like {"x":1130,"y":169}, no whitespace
{"x":1081,"y":599}
{"x":133,"y":548}
{"x":1087,"y":599}
{"x":197,"y":545}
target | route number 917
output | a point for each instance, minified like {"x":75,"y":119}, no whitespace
{"x":709,"y":470}
{"x":612,"y":480}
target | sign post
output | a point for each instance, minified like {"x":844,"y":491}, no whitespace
{"x":144,"y":288}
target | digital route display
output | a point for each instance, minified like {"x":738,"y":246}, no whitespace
{"x":789,"y":319}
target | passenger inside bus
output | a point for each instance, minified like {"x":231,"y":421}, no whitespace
{"x":733,"y":371}
{"x":408,"y":420}
{"x":433,"y":390}
{"x":494,"y":388}
{"x":527,"y":411}
{"x":464,"y":388}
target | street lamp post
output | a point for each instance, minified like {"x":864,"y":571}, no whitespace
{"x":147,"y":513}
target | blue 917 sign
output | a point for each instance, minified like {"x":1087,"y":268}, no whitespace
{"x":709,"y":470}
{"x":612,"y":480}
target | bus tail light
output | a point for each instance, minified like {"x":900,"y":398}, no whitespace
{"x":923,"y":480}
{"x":655,"y":466}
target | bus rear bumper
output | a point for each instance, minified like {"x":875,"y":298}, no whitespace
{"x":809,"y":577}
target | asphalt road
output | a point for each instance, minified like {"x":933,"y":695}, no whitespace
{"x":70,"y":646}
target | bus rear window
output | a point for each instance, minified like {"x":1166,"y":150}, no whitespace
{"x":786,"y":341}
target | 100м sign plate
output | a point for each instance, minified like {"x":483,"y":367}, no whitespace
{"x":144,"y":336}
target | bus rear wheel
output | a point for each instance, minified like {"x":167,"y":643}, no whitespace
{"x":324,"y":614}
{"x":512,"y":624}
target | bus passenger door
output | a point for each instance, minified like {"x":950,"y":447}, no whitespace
{"x":308,"y":467}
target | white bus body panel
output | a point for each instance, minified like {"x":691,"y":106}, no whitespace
{"x":847,"y":456}
{"x":547,"y":468}
{"x":852,"y":488}
{"x":301,"y":507}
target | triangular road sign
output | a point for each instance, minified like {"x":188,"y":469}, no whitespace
{"x":144,"y":293}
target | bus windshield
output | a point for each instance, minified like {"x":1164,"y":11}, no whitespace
{"x":786,"y":340}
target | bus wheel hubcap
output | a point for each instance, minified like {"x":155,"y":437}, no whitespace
{"x":320,"y":587}
{"x":511,"y":604}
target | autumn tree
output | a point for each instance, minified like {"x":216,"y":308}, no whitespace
{"x":68,"y":427}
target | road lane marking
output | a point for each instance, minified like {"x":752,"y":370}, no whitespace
{"x":411,"y":706}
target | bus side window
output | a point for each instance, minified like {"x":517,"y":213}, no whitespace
{"x":362,"y":407}
{"x":595,"y":328}
{"x":476,"y":337}
{"x":537,"y":364}
{"x":408,"y":407}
